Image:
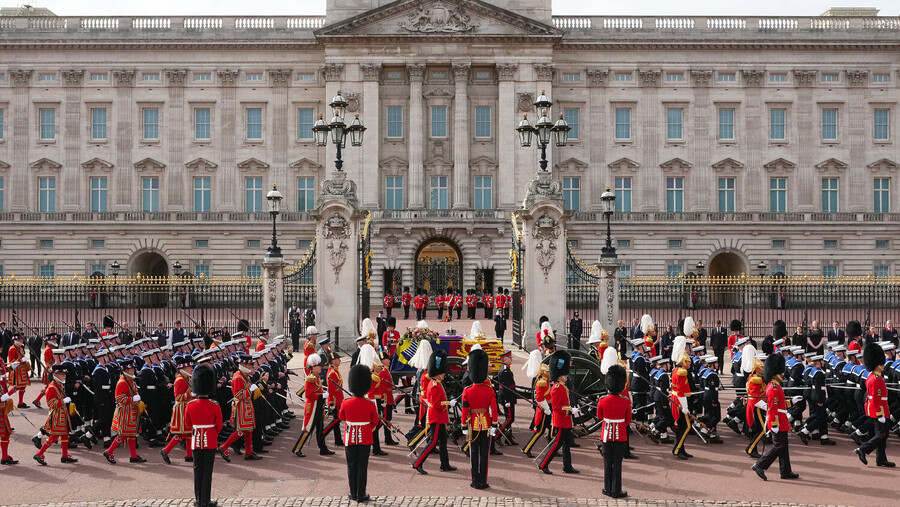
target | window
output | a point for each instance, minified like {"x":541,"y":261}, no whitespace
{"x":779,"y":244}
{"x":48,"y":270}
{"x":571,"y":116}
{"x":621,"y":76}
{"x":396,"y":74}
{"x":98,"y":243}
{"x":393,"y":192}
{"x":253,"y":195}
{"x":201,"y":243}
{"x":306,"y":76}
{"x":46,"y":243}
{"x":674,"y":123}
{"x":881,"y":78}
{"x":484,"y":192}
{"x":882,"y":244}
{"x":882,"y":130}
{"x":97,"y":268}
{"x":439,"y":74}
{"x":573,"y":244}
{"x":675,"y":243}
{"x":1,"y":123}
{"x":674,"y":270}
{"x":201,"y":271}
{"x":202,"y":76}
{"x":623,"y":123}
{"x":438,"y":121}
{"x":98,"y":123}
{"x":254,"y":271}
{"x":150,"y":76}
{"x":779,"y":269}
{"x":202,"y":194}
{"x":777,"y":195}
{"x":255,"y":76}
{"x":674,"y":78}
{"x":48,"y":77}
{"x":829,"y":271}
{"x":829,"y":195}
{"x":306,"y":190}
{"x":150,"y":195}
{"x":571,"y":78}
{"x":725,"y":78}
{"x":622,"y":244}
{"x":304,"y":244}
{"x":881,"y":271}
{"x":829,"y":124}
{"x":726,"y":123}
{"x":48,"y":124}
{"x":726,"y":195}
{"x":830,"y":78}
{"x":47,"y":194}
{"x":483,"y":121}
{"x":572,"y":193}
{"x":395,"y":122}
{"x":254,"y":123}
{"x":150,"y":123}
{"x":306,"y":117}
{"x":438,"y":192}
{"x":882,"y":195}
{"x":201,"y":123}
{"x":1,"y":193}
{"x":625,"y":271}
{"x":98,"y":194}
{"x":99,"y":77}
{"x":486,"y":74}
{"x":777,"y":78}
{"x":675,"y":195}
{"x":253,"y":243}
{"x":777,"y":119}
{"x":623,"y":195}
{"x":830,"y":244}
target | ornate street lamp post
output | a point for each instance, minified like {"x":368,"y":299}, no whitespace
{"x":543,"y":128}
{"x":608,"y":199}
{"x":338,"y":129}
{"x":274,"y":197}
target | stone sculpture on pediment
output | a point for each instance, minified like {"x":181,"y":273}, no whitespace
{"x":438,"y":17}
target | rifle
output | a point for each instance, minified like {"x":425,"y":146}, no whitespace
{"x":77,"y":322}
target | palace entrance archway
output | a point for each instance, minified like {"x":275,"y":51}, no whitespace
{"x":438,"y":266}
{"x":726,"y":264}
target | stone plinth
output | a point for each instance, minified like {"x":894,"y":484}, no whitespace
{"x":273,"y":294}
{"x":608,"y":269}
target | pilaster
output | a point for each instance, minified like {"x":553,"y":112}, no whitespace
{"x":227,"y":119}
{"x":461,"y":136}
{"x":506,"y":136}
{"x":123,"y":175}
{"x":70,"y":136}
{"x":416,"y":199}
{"x":175,"y":170}
{"x":282,"y":114}
{"x":21,"y":142}
{"x":369,"y":154}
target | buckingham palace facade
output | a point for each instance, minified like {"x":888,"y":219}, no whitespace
{"x":151,"y":140}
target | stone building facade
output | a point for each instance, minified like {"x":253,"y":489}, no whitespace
{"x":728,"y":140}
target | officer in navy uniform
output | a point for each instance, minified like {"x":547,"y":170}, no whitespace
{"x":506,"y":396}
{"x":661,"y":379}
{"x":712,"y":410}
{"x":817,"y":422}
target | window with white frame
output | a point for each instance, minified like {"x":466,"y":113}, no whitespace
{"x":777,"y":123}
{"x":830,"y":244}
{"x":2,"y":192}
{"x":150,"y":194}
{"x":306,"y":118}
{"x":201,"y":270}
{"x":675,"y":194}
{"x":829,"y":195}
{"x":572,"y":193}
{"x":881,"y":78}
{"x":439,"y":193}
{"x":47,"y":194}
{"x":623,"y":194}
{"x":395,"y":122}
{"x":674,"y":123}
{"x":625,"y":271}
{"x":725,"y":77}
{"x":254,"y":271}
{"x":47,"y":270}
{"x":674,"y":78}
{"x":150,"y":76}
{"x":674,"y":270}
{"x":254,"y":123}
{"x":202,"y":76}
{"x":2,"y":124}
{"x":306,"y":193}
{"x":99,"y":77}
{"x":393,"y":192}
{"x":726,"y":123}
{"x":202,"y":194}
{"x":779,"y":270}
{"x":202,"y":123}
{"x":829,"y":124}
{"x":97,"y":268}
{"x":726,"y":195}
{"x":675,"y":244}
{"x":484,"y":192}
{"x":253,"y":194}
{"x":777,"y":77}
{"x":881,"y":271}
{"x":622,"y":244}
{"x":47,"y":244}
{"x":47,"y":77}
{"x":830,"y":77}
{"x":98,"y":194}
{"x":150,"y":128}
{"x":483,"y":121}
{"x":572,"y":116}
{"x":253,"y":243}
{"x":255,"y":76}
{"x":98,"y":123}
{"x":882,"y":244}
{"x":777,"y":195}
{"x":571,"y":77}
{"x":201,"y":243}
{"x":98,"y":244}
{"x":306,"y":76}
{"x":622,"y":76}
{"x":882,"y":124}
{"x":48,"y":124}
{"x":779,"y":244}
{"x":623,"y":123}
{"x":882,"y":195}
{"x":438,"y":121}
{"x":829,"y":271}
{"x":486,"y":74}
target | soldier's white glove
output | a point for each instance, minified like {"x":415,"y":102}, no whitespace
{"x":493,"y":431}
{"x":576,"y":412}
{"x":507,"y":405}
{"x":762,"y":405}
{"x":882,"y":420}
{"x":14,"y":365}
{"x":796,"y":399}
{"x":775,"y":429}
{"x":452,"y":403}
{"x":254,"y":387}
{"x":465,"y":432}
{"x":136,"y":398}
{"x":4,"y":398}
{"x":67,"y":400}
{"x":325,"y":394}
{"x":546,"y":406}
{"x":684,"y":404}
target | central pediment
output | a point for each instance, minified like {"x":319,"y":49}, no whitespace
{"x":437,"y":19}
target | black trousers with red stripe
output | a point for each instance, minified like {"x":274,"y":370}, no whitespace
{"x":878,"y":442}
{"x":779,"y":449}
{"x":507,"y":423}
{"x":479,"y":449}
{"x":437,"y":437}
{"x":561,"y":442}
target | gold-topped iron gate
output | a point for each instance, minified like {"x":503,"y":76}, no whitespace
{"x":365,"y":268}
{"x":517,"y":282}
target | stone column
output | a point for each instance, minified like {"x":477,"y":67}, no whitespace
{"x":273,"y":294}
{"x":506,"y":135}
{"x":281,"y":80}
{"x":20,"y":173}
{"x":371,"y":118}
{"x":461,"y":132}
{"x":544,"y":262}
{"x":124,"y":172}
{"x":651,"y":177}
{"x":596,"y":128}
{"x":416,"y":190}
{"x":70,"y":174}
{"x":702,"y":176}
{"x":228,"y":178}
{"x":608,"y":269}
{"x":175,"y":173}
{"x":338,"y":219}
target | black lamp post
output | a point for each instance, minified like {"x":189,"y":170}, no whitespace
{"x":608,"y":199}
{"x":543,"y":128}
{"x":700,"y":267}
{"x":339,"y":130}
{"x":177,"y":268}
{"x":114,"y":267}
{"x":761,"y":267}
{"x":274,"y":197}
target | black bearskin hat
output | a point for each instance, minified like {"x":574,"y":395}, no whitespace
{"x":108,"y":321}
{"x":736,"y":325}
{"x":392,"y":321}
{"x":873,"y":356}
{"x":854,"y":329}
{"x":615,"y":379}
{"x":779,"y":330}
{"x":768,"y":347}
{"x":406,"y":288}
{"x":243,"y":325}
{"x":437,"y":363}
{"x":359,"y":380}
{"x":479,"y":364}
{"x":774,"y":366}
{"x":559,"y":364}
{"x":203,"y":381}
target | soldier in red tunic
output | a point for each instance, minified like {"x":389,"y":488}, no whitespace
{"x":678,"y":398}
{"x":541,"y":421}
{"x":204,"y":419}
{"x":19,"y":367}
{"x":405,"y":300}
{"x":335,"y":388}
{"x":876,"y":407}
{"x":125,"y":417}
{"x":562,"y":413}
{"x":6,"y":406}
{"x":776,"y":421}
{"x":243,"y":416}
{"x":479,"y":416}
{"x":615,"y":412}
{"x":314,"y":410}
{"x":309,"y":347}
{"x":382,"y":368}
{"x":471,"y":303}
{"x":440,"y":302}
{"x":438,"y":416}
{"x":179,"y":430}
{"x":756,"y":403}
{"x":263,"y":341}
{"x":388,"y":303}
{"x":487,"y":300}
{"x":57,"y":425}
{"x":360,"y":418}
{"x":51,"y":341}
{"x":390,"y":338}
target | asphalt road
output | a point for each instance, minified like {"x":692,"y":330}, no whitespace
{"x":829,"y":475}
